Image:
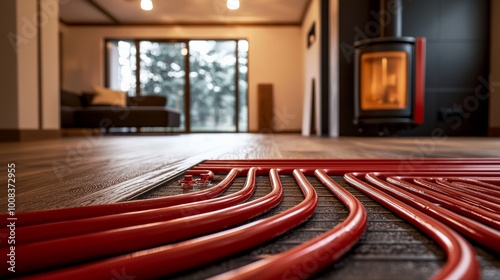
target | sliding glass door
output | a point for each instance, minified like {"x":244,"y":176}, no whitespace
{"x":206,"y":80}
{"x":163,"y":72}
{"x":212,"y":85}
{"x":121,"y":65}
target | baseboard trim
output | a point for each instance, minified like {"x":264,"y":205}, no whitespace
{"x":269,"y":131}
{"x":494,"y":131}
{"x":80,"y":132}
{"x":22,"y":135}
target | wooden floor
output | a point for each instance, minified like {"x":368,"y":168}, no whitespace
{"x":99,"y":169}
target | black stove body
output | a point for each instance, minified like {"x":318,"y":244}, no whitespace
{"x":389,"y":75}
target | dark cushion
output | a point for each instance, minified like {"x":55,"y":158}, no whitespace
{"x":142,"y":111}
{"x":67,"y":116}
{"x":112,"y":116}
{"x":87,"y":98}
{"x":70,"y":99}
{"x":147,"y":100}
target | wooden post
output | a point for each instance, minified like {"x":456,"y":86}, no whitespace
{"x":265,"y":109}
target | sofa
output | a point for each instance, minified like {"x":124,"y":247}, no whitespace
{"x":78,"y":111}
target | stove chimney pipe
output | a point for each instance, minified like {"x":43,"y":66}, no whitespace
{"x":391,"y":18}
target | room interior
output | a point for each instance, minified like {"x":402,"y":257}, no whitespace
{"x":299,"y":92}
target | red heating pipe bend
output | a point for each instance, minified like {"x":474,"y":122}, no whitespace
{"x":488,"y":237}
{"x":48,"y":231}
{"x":276,"y":162}
{"x":492,"y":182}
{"x":460,"y":195}
{"x":468,"y":184}
{"x":342,"y":169}
{"x":210,"y":174}
{"x":480,"y":182}
{"x":475,"y":193}
{"x":64,"y":214}
{"x":321,"y":251}
{"x":461,"y":260}
{"x":474,"y":187}
{"x":471,"y":211}
{"x":166,"y":260}
{"x":57,"y":252}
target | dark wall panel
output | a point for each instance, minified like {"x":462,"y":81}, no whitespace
{"x":354,"y":22}
{"x":457,"y":33}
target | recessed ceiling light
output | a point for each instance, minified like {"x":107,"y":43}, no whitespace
{"x":233,"y":4}
{"x":147,"y":5}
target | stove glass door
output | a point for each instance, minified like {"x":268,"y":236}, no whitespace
{"x":384,"y":80}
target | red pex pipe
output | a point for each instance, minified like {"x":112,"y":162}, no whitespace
{"x":210,"y":174}
{"x":48,"y":231}
{"x":436,"y":174}
{"x":320,"y":251}
{"x":399,"y":165}
{"x":476,"y":213}
{"x":462,"y":196}
{"x":352,"y":166}
{"x":57,"y":215}
{"x":166,"y":260}
{"x":477,"y":183}
{"x":483,"y":234}
{"x":476,"y":188}
{"x":461,"y":261}
{"x":255,"y":162}
{"x":449,"y":176}
{"x":469,"y":191}
{"x":493,"y":182}
{"x":57,"y":252}
{"x":470,"y":183}
{"x":341,"y":170}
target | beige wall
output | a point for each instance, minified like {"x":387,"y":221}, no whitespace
{"x":312,"y":59}
{"x":27,"y":59}
{"x":275,"y":56}
{"x":50,"y":65}
{"x":495,"y":65}
{"x":19,"y":67}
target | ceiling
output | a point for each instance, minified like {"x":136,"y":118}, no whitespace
{"x":128,"y":12}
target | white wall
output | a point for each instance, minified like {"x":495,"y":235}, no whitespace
{"x":495,"y":65}
{"x":275,"y":56}
{"x":312,"y":59}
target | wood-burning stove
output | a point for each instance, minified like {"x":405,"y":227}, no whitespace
{"x":389,"y":75}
